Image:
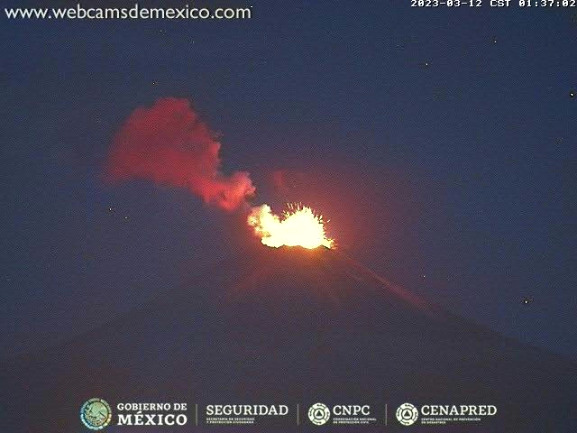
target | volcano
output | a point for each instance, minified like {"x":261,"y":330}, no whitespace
{"x":291,"y":325}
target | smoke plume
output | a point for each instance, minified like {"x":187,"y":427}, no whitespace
{"x":169,"y":144}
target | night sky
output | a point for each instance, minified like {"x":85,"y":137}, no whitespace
{"x":439,"y":143}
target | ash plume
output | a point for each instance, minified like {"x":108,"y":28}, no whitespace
{"x":169,"y":144}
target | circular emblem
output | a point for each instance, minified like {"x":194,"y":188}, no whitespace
{"x":407,"y":414}
{"x":95,"y":414}
{"x":319,"y":414}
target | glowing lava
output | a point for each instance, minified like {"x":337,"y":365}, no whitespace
{"x":297,"y":226}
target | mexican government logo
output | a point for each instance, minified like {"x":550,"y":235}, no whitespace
{"x":407,"y":414}
{"x":95,"y":414}
{"x":319,"y":414}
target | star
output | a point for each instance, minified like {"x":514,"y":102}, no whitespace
{"x":572,"y":94}
{"x":527,"y":300}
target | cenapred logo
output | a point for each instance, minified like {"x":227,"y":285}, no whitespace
{"x":95,"y":414}
{"x":319,"y":414}
{"x":407,"y":414}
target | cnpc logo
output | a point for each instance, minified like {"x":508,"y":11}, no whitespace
{"x":320,"y":413}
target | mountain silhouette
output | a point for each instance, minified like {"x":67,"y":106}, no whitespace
{"x":290,"y":326}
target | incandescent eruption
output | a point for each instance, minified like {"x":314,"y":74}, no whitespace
{"x":297,"y":226}
{"x":169,"y":144}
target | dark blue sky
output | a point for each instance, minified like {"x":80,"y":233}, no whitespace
{"x":440,"y":143}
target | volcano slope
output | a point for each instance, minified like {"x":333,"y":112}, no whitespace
{"x":291,"y":326}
